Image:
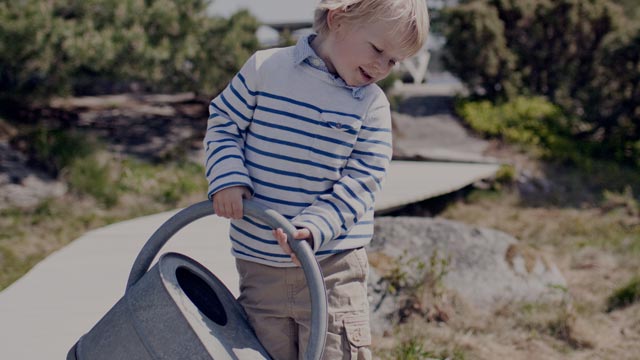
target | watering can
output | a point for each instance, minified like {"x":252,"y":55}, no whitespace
{"x":180,"y":310}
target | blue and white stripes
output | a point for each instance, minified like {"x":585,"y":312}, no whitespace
{"x":304,"y":147}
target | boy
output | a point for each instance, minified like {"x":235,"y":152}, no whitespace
{"x":306,"y":131}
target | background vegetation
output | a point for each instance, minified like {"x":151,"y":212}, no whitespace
{"x":83,"y":47}
{"x":581,"y":56}
{"x":55,"y":49}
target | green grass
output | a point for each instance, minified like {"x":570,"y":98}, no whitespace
{"x":104,"y":188}
{"x":625,"y":295}
{"x":58,"y":149}
{"x":108,"y":178}
{"x":414,"y":348}
{"x":90,"y":176}
{"x":14,"y":266}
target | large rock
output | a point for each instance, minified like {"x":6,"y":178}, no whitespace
{"x":485,"y":268}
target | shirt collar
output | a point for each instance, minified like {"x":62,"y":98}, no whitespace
{"x":304,"y":53}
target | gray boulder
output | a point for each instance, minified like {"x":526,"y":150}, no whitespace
{"x":486,"y":268}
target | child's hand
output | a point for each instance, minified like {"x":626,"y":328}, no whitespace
{"x":300,"y":234}
{"x":228,"y":202}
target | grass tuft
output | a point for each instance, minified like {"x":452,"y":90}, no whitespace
{"x":625,"y":296}
{"x":414,"y":349}
{"x":105,"y":188}
{"x":90,"y":176}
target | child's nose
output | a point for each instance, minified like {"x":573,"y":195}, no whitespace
{"x":377,"y":66}
{"x":383,"y":65}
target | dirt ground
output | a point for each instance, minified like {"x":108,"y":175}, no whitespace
{"x":542,"y":210}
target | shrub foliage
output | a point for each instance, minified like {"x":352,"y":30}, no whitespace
{"x":533,"y":122}
{"x":74,"y":47}
{"x":584,"y":56}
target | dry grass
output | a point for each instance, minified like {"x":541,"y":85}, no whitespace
{"x":591,"y":233}
{"x":130,"y":188}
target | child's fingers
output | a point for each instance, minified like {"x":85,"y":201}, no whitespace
{"x":281,"y":237}
{"x":228,"y":202}
{"x":215,"y":208}
{"x":236,"y":209}
{"x":302,"y":234}
{"x":226,"y":209}
{"x":295,"y":260}
{"x":218,"y":207}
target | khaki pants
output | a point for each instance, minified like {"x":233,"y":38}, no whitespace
{"x":279,"y":309}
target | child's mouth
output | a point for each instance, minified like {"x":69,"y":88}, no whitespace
{"x":365,"y":75}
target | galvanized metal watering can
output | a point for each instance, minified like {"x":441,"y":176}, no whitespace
{"x":179,"y":310}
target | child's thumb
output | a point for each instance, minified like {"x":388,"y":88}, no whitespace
{"x":302,"y":234}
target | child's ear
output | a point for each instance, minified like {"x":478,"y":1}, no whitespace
{"x":333,"y":19}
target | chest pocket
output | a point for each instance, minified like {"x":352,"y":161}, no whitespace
{"x":334,"y":139}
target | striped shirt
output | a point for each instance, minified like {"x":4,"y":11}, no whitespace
{"x":306,"y":144}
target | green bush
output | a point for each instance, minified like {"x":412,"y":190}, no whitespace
{"x":533,"y":122}
{"x":631,"y":8}
{"x":549,"y":46}
{"x":65,"y":47}
{"x":477,"y":51}
{"x":583,"y":56}
{"x":612,"y":100}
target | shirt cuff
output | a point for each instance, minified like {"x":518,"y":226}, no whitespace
{"x":229,"y":181}
{"x":320,"y":235}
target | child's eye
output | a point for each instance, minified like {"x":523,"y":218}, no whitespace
{"x":379,"y":51}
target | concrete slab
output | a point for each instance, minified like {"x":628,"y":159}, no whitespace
{"x":45,"y":312}
{"x":412,"y":181}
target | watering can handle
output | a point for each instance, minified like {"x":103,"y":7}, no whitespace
{"x":269,"y":216}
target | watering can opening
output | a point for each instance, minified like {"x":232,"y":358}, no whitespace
{"x":201,"y":295}
{"x":177,"y":309}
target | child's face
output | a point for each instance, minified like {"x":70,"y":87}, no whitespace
{"x":363,"y":53}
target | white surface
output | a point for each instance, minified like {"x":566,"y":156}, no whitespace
{"x":45,"y":312}
{"x":411,"y":181}
{"x":268,"y":11}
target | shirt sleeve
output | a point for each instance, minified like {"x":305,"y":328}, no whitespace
{"x":230,"y":114}
{"x":333,"y":214}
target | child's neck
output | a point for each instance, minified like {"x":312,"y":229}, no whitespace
{"x":320,"y":44}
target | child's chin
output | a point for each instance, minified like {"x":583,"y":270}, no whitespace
{"x":359,"y":83}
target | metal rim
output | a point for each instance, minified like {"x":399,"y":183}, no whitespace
{"x":310,"y":266}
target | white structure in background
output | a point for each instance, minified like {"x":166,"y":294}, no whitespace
{"x":417,"y":65}
{"x":296,"y":17}
{"x":268,"y":36}
{"x":268,"y":11}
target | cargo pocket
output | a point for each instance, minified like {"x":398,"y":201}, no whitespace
{"x":358,"y":334}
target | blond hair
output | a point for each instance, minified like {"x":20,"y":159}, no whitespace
{"x":410,"y":17}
